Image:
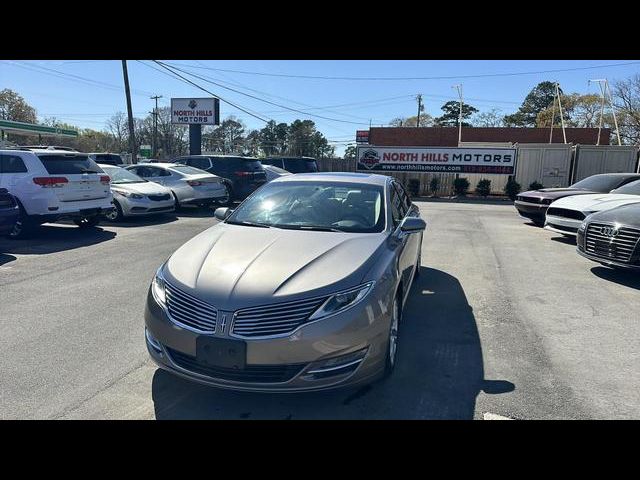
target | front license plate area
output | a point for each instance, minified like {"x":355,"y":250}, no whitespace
{"x":221,"y":352}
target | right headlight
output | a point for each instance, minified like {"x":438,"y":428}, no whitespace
{"x":342,"y":301}
{"x":157,"y":288}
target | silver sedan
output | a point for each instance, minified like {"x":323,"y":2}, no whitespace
{"x":300,"y":288}
{"x":134,"y":196}
{"x":188,"y":185}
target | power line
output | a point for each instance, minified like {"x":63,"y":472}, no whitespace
{"x":263,"y":100}
{"x":447,"y":77}
{"x":71,"y":77}
{"x":207,"y":91}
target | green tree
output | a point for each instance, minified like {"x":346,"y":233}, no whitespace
{"x":305,"y":140}
{"x":14,"y":107}
{"x":252,"y":144}
{"x":451,"y":114}
{"x":228,"y":137}
{"x":426,"y":120}
{"x":577,"y":110}
{"x":350,"y":153}
{"x":537,"y":100}
{"x":273,"y":138}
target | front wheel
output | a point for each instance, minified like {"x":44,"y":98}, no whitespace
{"x":116,"y":214}
{"x":87,"y":222}
{"x":392,"y":342}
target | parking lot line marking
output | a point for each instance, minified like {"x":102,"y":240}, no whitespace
{"x":493,"y":416}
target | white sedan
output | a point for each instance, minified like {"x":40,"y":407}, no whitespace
{"x":134,"y":196}
{"x":188,"y":185}
{"x":567,"y":214}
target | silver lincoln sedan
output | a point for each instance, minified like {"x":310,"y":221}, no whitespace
{"x":299,"y":288}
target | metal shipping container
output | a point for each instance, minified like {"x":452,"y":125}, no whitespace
{"x":548,"y":164}
{"x":593,"y":159}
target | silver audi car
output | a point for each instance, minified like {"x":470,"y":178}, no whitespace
{"x":300,"y":288}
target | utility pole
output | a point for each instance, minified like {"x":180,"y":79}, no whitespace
{"x":459,"y":88}
{"x":419,"y":98}
{"x":132,"y":138}
{"x":564,"y":133}
{"x":553,"y":119}
{"x":602,"y":102}
{"x":154,"y":142}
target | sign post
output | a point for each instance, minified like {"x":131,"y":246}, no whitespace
{"x":195,"y":112}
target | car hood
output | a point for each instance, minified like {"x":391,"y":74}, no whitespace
{"x":555,"y":193}
{"x":626,"y":215}
{"x":596,"y":202}
{"x":233,"y":266}
{"x":143,"y":188}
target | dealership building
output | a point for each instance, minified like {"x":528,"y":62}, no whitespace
{"x":448,"y":136}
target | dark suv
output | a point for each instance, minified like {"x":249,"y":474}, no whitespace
{"x":243,"y":174}
{"x":293,"y":164}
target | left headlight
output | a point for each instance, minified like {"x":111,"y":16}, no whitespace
{"x":342,"y":301}
{"x":157,"y":287}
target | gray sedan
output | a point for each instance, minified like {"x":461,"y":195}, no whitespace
{"x":134,"y":196}
{"x":188,"y":185}
{"x":300,"y":288}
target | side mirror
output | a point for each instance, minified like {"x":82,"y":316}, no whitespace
{"x":222,"y":213}
{"x":412,"y":225}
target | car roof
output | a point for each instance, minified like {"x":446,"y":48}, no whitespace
{"x":108,"y":165}
{"x":625,"y":174}
{"x":51,"y":151}
{"x":155,"y":164}
{"x":345,"y":177}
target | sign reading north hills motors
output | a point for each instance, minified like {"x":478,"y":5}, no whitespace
{"x":436,"y":159}
{"x":204,"y":111}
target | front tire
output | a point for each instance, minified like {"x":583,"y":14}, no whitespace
{"x":115,"y":215}
{"x":87,"y":222}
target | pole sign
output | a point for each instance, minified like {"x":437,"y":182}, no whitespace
{"x":145,"y":151}
{"x":436,"y":159}
{"x":195,"y":111}
{"x":362,"y":136}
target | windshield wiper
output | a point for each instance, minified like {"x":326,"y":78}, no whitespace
{"x":249,"y":224}
{"x":313,"y":228}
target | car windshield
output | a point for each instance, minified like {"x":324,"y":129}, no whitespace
{"x":186,"y":170}
{"x":68,"y":164}
{"x":599,"y":183}
{"x":120,"y":175}
{"x":325,"y":206}
{"x":632,"y":188}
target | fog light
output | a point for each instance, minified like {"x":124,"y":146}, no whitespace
{"x":153,"y":343}
{"x":341,"y":365}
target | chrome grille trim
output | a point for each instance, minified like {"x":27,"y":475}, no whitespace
{"x":619,"y":247}
{"x":279,"y":319}
{"x":190,"y":312}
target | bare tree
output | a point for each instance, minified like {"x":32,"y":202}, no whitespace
{"x":492,"y":118}
{"x":118,"y":128}
{"x":626,"y":101}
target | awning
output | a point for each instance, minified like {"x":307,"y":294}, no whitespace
{"x":22,"y":128}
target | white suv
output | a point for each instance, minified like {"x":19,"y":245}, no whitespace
{"x":52,"y":185}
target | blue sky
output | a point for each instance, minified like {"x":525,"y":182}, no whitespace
{"x":349,"y":104}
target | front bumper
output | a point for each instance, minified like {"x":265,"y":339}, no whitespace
{"x":145,"y":206}
{"x":363,"y":328}
{"x":565,"y":226}
{"x":531,"y":211}
{"x":609,"y":262}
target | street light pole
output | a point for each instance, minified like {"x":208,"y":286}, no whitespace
{"x":155,"y":127}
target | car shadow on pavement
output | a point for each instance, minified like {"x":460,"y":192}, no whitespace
{"x":438,"y":375}
{"x":55,"y":238}
{"x":565,"y":240}
{"x":626,"y":278}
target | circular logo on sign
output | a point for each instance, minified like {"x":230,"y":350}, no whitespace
{"x":193,"y":104}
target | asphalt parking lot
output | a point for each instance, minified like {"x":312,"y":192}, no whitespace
{"x":505,"y":320}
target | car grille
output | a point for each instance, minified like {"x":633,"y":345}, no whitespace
{"x":566,"y":213}
{"x":187,"y":310}
{"x":277,"y":319}
{"x":249,"y":374}
{"x":617,"y":247}
{"x":159,"y":198}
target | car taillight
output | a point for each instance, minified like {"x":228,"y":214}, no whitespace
{"x":50,"y":182}
{"x":105,"y":179}
{"x":243,"y":174}
{"x":194,"y":183}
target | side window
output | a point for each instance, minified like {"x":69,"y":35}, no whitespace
{"x":199,"y":162}
{"x":406,"y":199}
{"x":396,"y":206}
{"x":12,"y":164}
{"x":157,"y":172}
